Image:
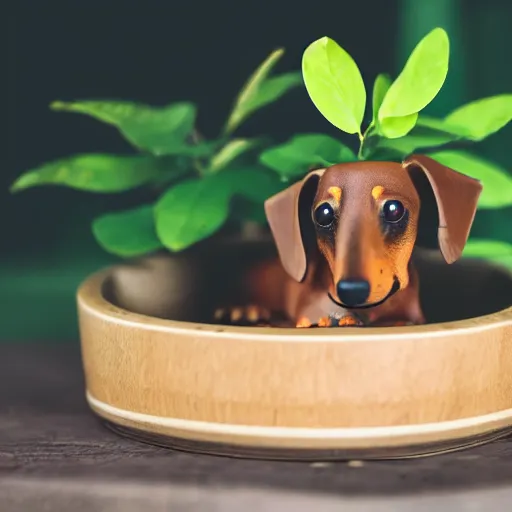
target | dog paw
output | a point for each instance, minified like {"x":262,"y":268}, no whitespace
{"x":328,"y":321}
{"x":303,"y":323}
{"x":350,"y":321}
{"x":243,"y":315}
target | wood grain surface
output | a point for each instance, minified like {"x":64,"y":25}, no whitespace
{"x":55,"y":455}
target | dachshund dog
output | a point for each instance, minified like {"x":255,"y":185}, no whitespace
{"x":345,"y":236}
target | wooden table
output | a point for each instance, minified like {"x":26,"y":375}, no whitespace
{"x":55,"y":455}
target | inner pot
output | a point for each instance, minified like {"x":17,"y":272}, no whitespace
{"x":189,"y":286}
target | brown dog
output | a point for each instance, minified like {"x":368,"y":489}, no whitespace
{"x":345,"y":236}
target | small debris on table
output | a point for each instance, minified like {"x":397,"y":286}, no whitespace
{"x":320,"y":464}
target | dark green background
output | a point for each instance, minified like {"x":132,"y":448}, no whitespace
{"x":164,"y":51}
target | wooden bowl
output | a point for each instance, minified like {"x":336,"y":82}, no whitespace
{"x":156,"y":372}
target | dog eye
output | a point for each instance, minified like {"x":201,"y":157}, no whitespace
{"x":393,"y":211}
{"x":324,"y":215}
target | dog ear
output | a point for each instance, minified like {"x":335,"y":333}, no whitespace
{"x":456,"y":196}
{"x":289,"y":217}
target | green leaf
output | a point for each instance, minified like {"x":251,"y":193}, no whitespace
{"x":271,"y":90}
{"x":296,"y":156}
{"x":254,"y":183}
{"x":395,"y":127}
{"x":173,"y":168}
{"x":250,"y":187}
{"x":158,"y":130}
{"x":110,"y":112}
{"x":406,"y":145}
{"x":199,"y":150}
{"x":383,"y":154}
{"x":93,"y":173}
{"x":128,"y":233}
{"x":232,"y":150}
{"x":492,"y":250}
{"x":483,"y":117}
{"x":497,"y":183}
{"x":380,"y":88}
{"x":421,"y":79}
{"x":259,"y":91}
{"x":197,"y":208}
{"x":334,"y":84}
{"x":428,"y":133}
{"x":191,"y":211}
{"x":442,"y":126}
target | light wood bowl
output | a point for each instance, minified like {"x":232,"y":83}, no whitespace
{"x":155,"y":372}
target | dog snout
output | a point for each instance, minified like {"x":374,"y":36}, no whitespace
{"x":353,"y":292}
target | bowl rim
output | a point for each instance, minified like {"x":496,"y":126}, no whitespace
{"x":91,"y":299}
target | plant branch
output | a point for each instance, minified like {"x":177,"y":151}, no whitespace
{"x":360,"y":151}
{"x":363,"y":138}
{"x":449,"y":146}
{"x":196,"y":137}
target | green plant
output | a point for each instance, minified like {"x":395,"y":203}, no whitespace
{"x":200,"y":184}
{"x":395,"y":126}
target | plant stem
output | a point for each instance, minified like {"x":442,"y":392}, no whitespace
{"x":360,"y":152}
{"x":366,"y":134}
{"x":198,"y":166}
{"x":196,"y":138}
{"x":361,"y":144}
{"x":369,"y":128}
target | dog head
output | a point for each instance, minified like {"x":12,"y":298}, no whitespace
{"x":363,"y":218}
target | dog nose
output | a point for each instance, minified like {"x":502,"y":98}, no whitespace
{"x":353,"y":292}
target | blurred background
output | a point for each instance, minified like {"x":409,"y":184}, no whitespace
{"x":159,"y":52}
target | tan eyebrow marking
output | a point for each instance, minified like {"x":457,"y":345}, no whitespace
{"x":335,"y":192}
{"x":377,"y":192}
